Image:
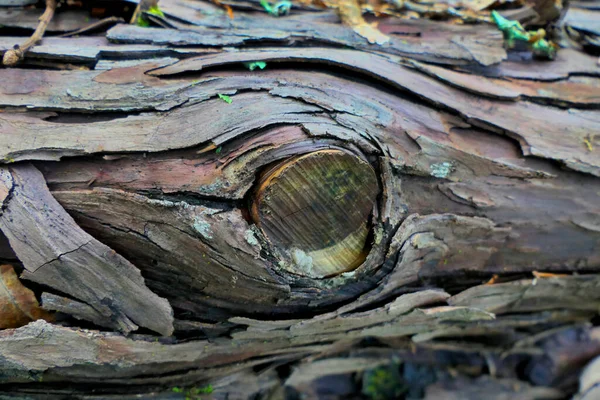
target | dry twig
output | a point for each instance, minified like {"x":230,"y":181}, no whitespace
{"x":13,"y":56}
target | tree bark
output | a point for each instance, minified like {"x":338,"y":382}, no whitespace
{"x":413,"y":219}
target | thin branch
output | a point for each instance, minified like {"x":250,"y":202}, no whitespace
{"x":13,"y":56}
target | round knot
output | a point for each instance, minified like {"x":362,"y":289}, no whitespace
{"x":315,"y":210}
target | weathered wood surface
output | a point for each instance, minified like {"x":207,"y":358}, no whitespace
{"x":487,"y":166}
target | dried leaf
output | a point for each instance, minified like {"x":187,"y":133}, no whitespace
{"x":351,"y":15}
{"x":371,"y":33}
{"x":18,"y":305}
{"x":229,"y":11}
{"x":538,"y":274}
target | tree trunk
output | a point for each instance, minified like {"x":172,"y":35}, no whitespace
{"x":413,"y":219}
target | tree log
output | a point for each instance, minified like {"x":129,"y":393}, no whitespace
{"x":413,"y":219}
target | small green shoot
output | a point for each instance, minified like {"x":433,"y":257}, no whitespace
{"x":225,"y":98}
{"x":177,"y":390}
{"x":218,"y":150}
{"x":143,"y":21}
{"x":255,"y":64}
{"x":154,"y":10}
{"x":514,"y":32}
{"x":280,"y":8}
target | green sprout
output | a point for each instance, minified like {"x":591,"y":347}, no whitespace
{"x":255,"y":64}
{"x":225,"y":98}
{"x":278,"y":9}
{"x":143,"y":21}
{"x":514,"y":32}
{"x":154,"y":10}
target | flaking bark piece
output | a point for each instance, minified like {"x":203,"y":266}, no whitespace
{"x":57,"y":253}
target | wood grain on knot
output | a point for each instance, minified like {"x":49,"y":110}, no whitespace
{"x":315,"y":208}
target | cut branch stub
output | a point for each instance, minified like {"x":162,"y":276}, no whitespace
{"x":315,"y":210}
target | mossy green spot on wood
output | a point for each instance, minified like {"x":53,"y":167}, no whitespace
{"x":250,"y":237}
{"x":383,"y":383}
{"x":203,"y":228}
{"x":302,"y":261}
{"x":441,"y":170}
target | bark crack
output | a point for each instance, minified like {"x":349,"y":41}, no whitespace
{"x":61,"y":255}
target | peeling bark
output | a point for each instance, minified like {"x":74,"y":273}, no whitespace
{"x":136,"y":168}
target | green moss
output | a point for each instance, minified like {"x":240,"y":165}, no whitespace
{"x":383,"y":383}
{"x":194,"y":392}
{"x":441,"y":170}
{"x":206,"y":389}
{"x":203,"y":228}
{"x":251,"y":237}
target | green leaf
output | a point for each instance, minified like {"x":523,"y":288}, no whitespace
{"x":225,"y":98}
{"x":177,"y":390}
{"x":218,"y":150}
{"x":255,"y":64}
